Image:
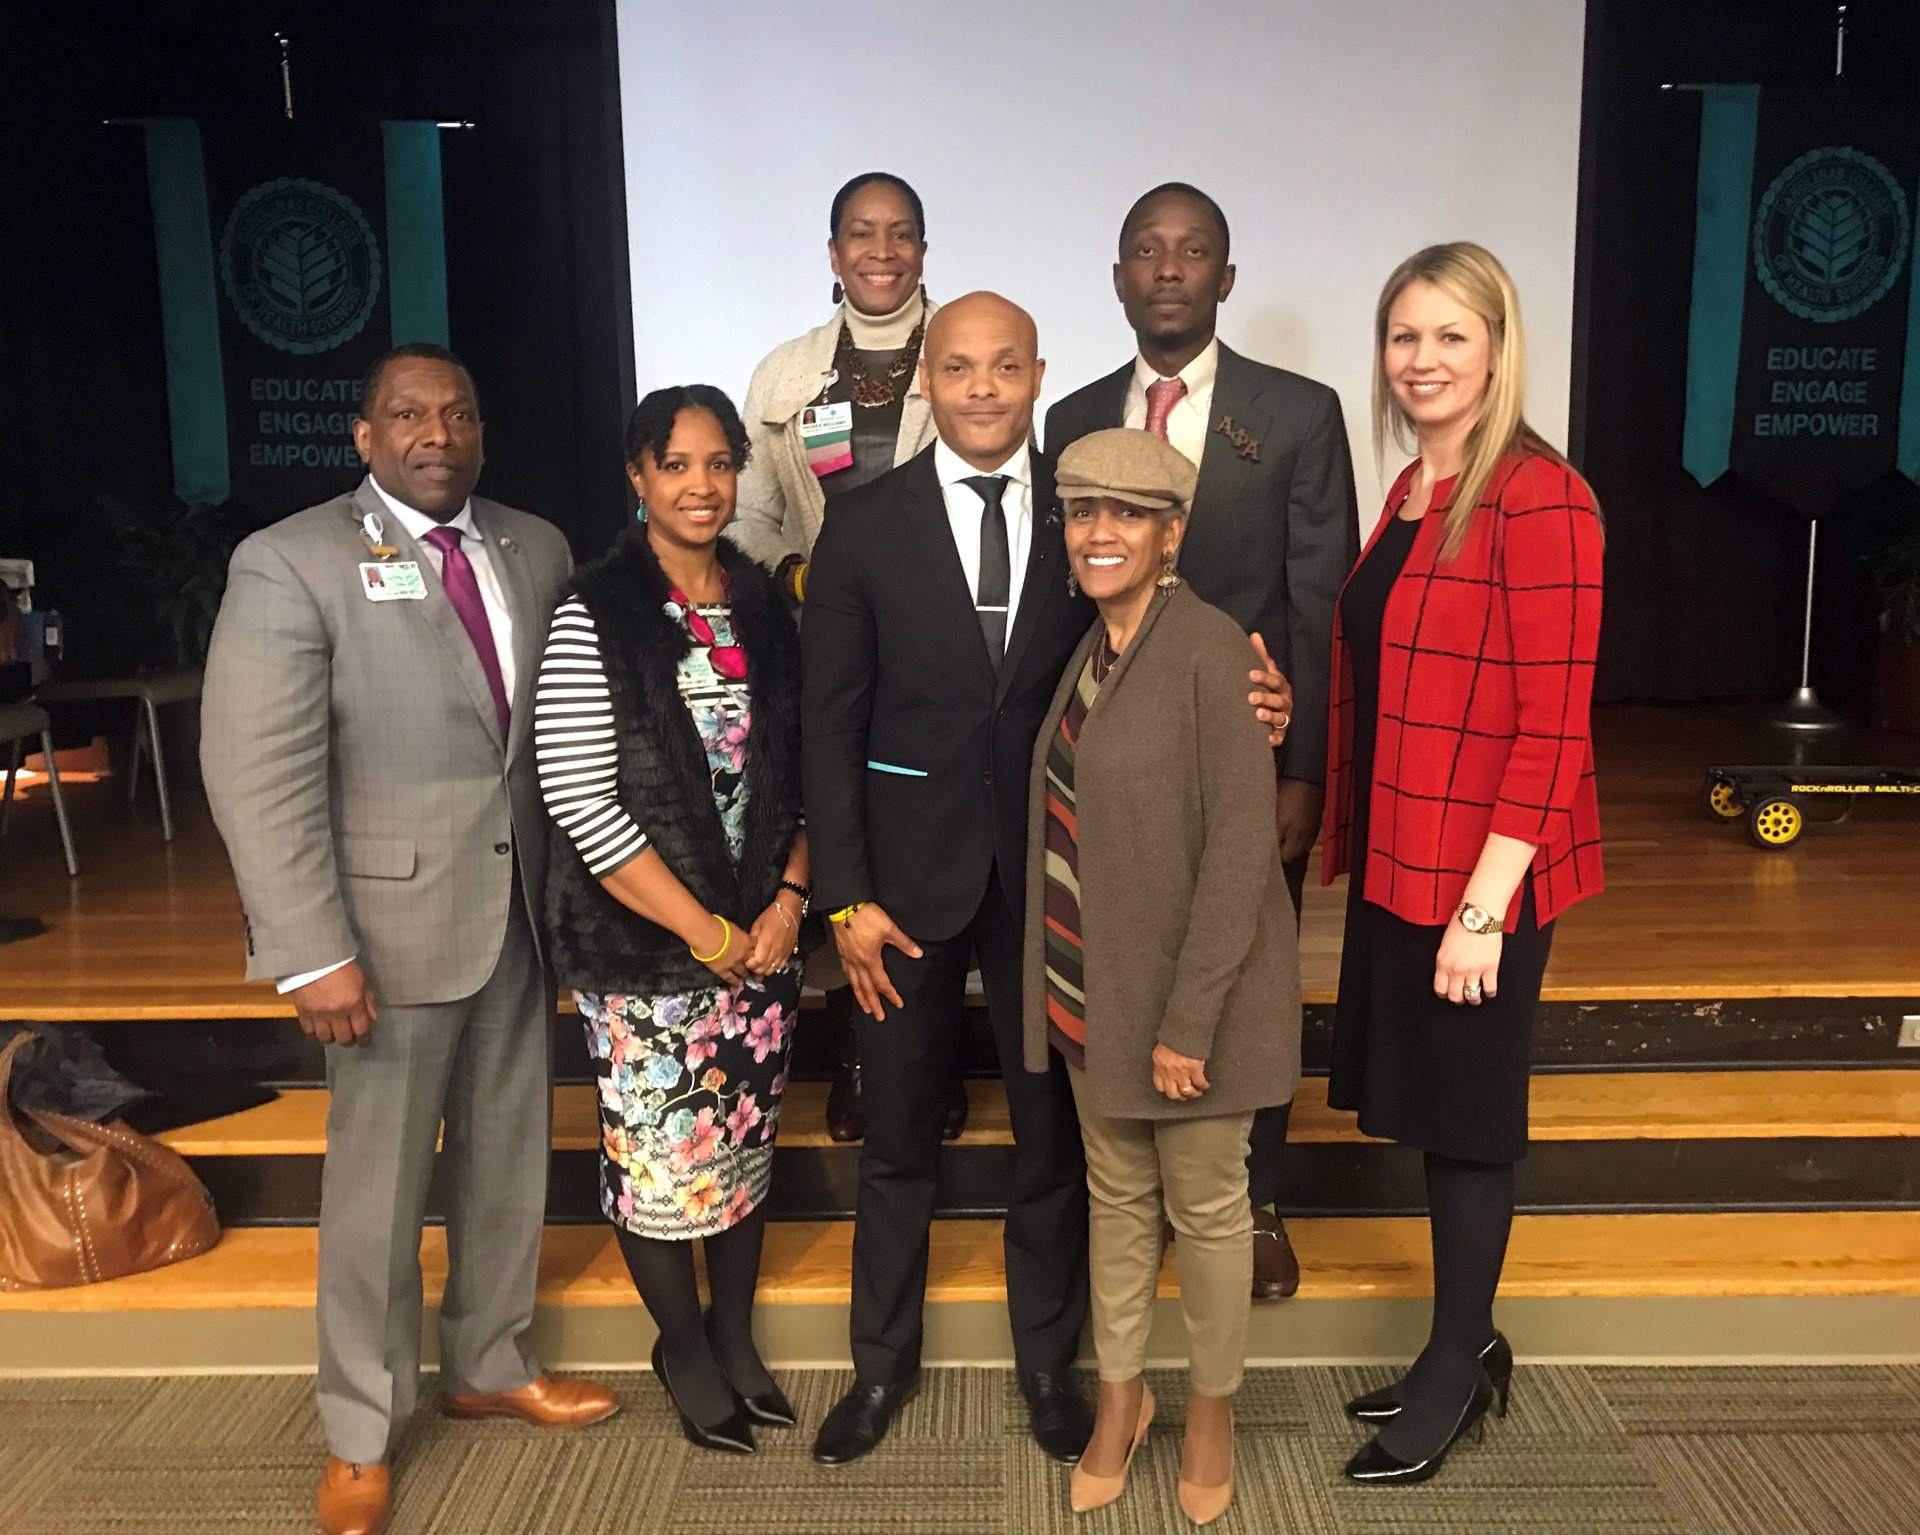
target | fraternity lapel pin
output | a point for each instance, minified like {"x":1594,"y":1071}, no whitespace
{"x":1240,"y":437}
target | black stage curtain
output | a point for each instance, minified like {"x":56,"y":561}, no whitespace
{"x":1704,"y":587}
{"x":535,"y":232}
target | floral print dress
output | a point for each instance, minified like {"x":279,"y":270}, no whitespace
{"x":690,"y":1082}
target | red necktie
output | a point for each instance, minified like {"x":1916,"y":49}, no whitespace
{"x":463,"y":591}
{"x":1162,"y":395}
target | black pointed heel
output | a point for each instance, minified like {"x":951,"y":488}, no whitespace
{"x":1377,"y":1467}
{"x":1383,"y":1406}
{"x":732,"y":1436}
{"x":770,"y":1408}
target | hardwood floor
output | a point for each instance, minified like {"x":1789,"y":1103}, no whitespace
{"x":1691,"y":910}
{"x":1570,"y":1106}
{"x":809,"y":1262}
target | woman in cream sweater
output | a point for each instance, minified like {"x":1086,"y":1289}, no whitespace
{"x":827,"y":412}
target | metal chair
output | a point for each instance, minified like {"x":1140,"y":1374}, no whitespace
{"x":20,"y":723}
{"x":153,"y":691}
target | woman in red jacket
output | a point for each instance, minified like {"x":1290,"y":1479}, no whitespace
{"x":1460,"y":795}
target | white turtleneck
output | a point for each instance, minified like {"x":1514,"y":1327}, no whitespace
{"x":884,"y":332}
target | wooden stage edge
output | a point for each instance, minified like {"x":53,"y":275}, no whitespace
{"x":1692,"y":910}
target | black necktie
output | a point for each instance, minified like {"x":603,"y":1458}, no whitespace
{"x":996,"y":564}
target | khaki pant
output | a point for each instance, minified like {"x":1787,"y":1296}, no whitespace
{"x":1197,"y":1170}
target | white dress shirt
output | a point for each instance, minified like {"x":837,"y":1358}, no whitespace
{"x":964,"y":507}
{"x":492,"y":599}
{"x":1187,"y":422}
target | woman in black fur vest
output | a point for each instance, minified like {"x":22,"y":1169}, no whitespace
{"x":667,"y":725}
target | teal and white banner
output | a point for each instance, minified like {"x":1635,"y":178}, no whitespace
{"x":1803,"y":366}
{"x":290,"y":257}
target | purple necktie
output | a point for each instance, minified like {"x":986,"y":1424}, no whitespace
{"x":463,"y":591}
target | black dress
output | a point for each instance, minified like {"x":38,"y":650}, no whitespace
{"x":1446,"y":1077}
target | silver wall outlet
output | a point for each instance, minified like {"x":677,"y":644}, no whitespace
{"x":1910,"y":1032}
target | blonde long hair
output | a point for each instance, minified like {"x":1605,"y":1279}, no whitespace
{"x":1469,"y":274}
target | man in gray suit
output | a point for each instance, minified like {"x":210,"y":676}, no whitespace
{"x":1272,"y":535}
{"x":367,"y":746}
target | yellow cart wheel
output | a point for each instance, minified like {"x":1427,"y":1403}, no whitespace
{"x":1723,"y":800}
{"x":1775,"y":823}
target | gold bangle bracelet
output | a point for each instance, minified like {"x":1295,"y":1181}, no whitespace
{"x":727,"y":928}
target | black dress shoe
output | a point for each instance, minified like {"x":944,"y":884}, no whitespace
{"x":1383,"y":1406}
{"x":956,"y":1119}
{"x":770,"y":1407}
{"x":846,"y":1103}
{"x":1062,"y":1422}
{"x":860,"y":1420}
{"x":730,"y":1436}
{"x":1376,"y":1466}
{"x":1276,"y":1271}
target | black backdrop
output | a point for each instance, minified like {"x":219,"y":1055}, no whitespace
{"x":535,"y":232}
{"x":1703,"y":586}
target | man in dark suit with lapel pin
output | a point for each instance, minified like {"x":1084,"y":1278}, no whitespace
{"x":1272,"y":535}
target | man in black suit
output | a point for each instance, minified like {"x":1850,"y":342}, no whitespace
{"x":1272,"y":535}
{"x":938,"y":623}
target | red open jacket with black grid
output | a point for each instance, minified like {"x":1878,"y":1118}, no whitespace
{"x":1486,"y":674}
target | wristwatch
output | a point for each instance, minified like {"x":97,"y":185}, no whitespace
{"x":1477,"y":919}
{"x":806,"y":895}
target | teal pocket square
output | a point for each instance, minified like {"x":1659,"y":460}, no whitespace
{"x":888,"y":767}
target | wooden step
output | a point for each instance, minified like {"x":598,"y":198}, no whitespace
{"x":1567,"y":1106}
{"x":808,"y":1263}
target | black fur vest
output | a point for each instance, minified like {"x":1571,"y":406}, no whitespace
{"x":596,"y":943}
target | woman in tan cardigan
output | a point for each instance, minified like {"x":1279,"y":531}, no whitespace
{"x":1161,"y":956}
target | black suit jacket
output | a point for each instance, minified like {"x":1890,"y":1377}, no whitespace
{"x":914,"y":752}
{"x":1269,"y":543}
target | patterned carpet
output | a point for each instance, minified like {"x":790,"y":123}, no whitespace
{"x":1805,"y":1451}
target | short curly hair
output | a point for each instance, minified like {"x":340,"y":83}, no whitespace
{"x":650,"y":426}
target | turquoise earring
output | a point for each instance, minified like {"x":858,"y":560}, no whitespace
{"x":640,"y":512}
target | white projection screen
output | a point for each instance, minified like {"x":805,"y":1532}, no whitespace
{"x":1339,"y":136}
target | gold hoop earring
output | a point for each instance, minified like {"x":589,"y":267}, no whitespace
{"x":1168,"y":580}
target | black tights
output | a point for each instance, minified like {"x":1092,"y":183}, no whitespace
{"x":1470,"y":1207}
{"x":663,"y":1273}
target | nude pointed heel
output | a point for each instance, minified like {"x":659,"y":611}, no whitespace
{"x":1203,"y":1505}
{"x":1087,"y":1491}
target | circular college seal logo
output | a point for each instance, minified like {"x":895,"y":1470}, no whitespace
{"x":1832,"y":234}
{"x":300,"y":264}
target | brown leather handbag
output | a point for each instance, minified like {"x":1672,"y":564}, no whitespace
{"x":81,"y":1202}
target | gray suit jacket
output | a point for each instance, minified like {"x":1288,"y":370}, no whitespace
{"x":353,"y":758}
{"x":1270,"y":542}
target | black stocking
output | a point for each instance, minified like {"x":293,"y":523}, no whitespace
{"x":663,"y":1274}
{"x":733,"y":1270}
{"x":1470,"y":1207}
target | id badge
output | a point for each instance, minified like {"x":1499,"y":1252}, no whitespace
{"x":392,"y":581}
{"x":826,"y":432}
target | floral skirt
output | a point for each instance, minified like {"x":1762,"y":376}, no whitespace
{"x":689,"y":1089}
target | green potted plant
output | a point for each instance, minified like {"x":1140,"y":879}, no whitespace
{"x":1893,"y":563}
{"x":179,"y":553}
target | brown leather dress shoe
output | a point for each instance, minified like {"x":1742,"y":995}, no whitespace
{"x":354,"y":1500}
{"x":1276,"y":1272}
{"x":552,"y":1401}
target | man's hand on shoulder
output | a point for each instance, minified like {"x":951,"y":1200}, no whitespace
{"x":338,"y":1008}
{"x":1272,"y":695}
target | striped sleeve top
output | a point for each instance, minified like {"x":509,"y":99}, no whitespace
{"x":1066,"y":976}
{"x":574,"y":744}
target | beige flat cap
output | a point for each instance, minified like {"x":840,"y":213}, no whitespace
{"x":1124,"y":464}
